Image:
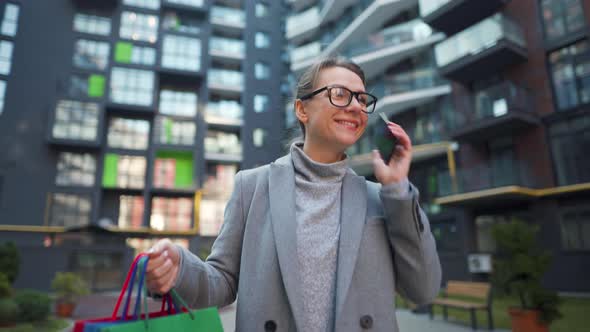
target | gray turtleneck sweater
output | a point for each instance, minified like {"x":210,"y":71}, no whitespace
{"x":317,"y":212}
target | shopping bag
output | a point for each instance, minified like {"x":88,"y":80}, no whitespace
{"x":80,"y":324}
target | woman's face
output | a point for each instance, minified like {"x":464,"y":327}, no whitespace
{"x":326,"y":124}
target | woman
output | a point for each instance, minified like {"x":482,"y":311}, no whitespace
{"x":313,"y":246}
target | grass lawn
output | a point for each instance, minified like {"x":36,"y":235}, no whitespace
{"x":51,"y":325}
{"x":575,"y":314}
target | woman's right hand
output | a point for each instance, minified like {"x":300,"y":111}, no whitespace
{"x":163,"y":266}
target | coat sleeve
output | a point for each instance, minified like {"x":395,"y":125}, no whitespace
{"x":214,"y":282}
{"x":416,"y":263}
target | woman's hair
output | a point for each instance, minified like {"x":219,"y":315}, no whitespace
{"x":308,"y":79}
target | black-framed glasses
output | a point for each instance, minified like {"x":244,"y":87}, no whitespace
{"x":340,"y":96}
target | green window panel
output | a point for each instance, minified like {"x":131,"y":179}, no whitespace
{"x":96,"y":85}
{"x":184,"y":167}
{"x":168,"y":124}
{"x":123,"y":52}
{"x":109,"y":175}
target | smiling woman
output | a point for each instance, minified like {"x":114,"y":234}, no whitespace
{"x":313,"y":246}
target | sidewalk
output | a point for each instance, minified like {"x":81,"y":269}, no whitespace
{"x":102,"y":305}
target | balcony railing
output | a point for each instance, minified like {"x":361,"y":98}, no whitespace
{"x":495,"y":174}
{"x":228,"y":46}
{"x":414,"y":30}
{"x":405,"y":82}
{"x":478,"y":38}
{"x":224,"y":77}
{"x":222,"y":144}
{"x":224,"y":111}
{"x":305,"y":52}
{"x":429,"y":6}
{"x":227,"y":15}
{"x":302,"y":21}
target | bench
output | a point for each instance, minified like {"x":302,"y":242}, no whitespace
{"x":473,"y":290}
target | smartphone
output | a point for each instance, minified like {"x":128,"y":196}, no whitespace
{"x":384,"y":139}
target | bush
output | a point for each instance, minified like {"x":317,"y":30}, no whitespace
{"x":9,"y":261}
{"x":33,"y":306}
{"x":69,"y":286}
{"x":8,"y":311}
{"x":5,"y":288}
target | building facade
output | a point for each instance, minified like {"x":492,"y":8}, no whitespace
{"x":494,"y":95}
{"x":124,"y":121}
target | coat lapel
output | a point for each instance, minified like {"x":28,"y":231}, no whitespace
{"x":282,"y":211}
{"x":352,"y":221}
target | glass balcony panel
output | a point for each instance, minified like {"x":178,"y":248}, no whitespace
{"x":226,"y":77}
{"x":429,"y":6}
{"x":423,"y":78}
{"x":302,"y":21}
{"x":414,"y":30}
{"x":229,"y":15}
{"x":478,"y":38}
{"x":227,"y":45}
{"x":305,"y":52}
{"x":225,"y":109}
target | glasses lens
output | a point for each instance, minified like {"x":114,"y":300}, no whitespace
{"x":340,"y":96}
{"x":368,"y":101}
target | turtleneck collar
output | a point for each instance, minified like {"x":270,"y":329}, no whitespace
{"x":310,"y":170}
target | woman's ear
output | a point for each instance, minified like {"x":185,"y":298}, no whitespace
{"x":300,"y":111}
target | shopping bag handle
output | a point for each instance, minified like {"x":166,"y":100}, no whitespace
{"x":130,"y":273}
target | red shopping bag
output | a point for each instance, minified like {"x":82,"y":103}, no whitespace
{"x":127,"y":288}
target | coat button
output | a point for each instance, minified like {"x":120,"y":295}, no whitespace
{"x":366,"y":322}
{"x":270,"y":326}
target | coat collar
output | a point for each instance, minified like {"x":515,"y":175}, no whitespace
{"x":282,"y":209}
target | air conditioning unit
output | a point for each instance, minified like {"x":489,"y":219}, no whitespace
{"x":479,"y":263}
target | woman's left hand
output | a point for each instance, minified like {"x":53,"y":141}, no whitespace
{"x":399,"y":165}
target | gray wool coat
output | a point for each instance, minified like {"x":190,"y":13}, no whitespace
{"x":385,"y":247}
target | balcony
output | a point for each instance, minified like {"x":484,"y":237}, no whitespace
{"x":307,"y":51}
{"x":189,"y":6}
{"x":372,"y":17}
{"x":306,"y":24}
{"x":223,"y":147}
{"x":404,"y":91}
{"x":229,"y":20}
{"x":227,"y":49}
{"x":481,"y":50}
{"x":226,"y":82}
{"x":300,"y":4}
{"x":451,"y":16}
{"x":505,"y":180}
{"x":224,"y":113}
{"x":499,"y":110}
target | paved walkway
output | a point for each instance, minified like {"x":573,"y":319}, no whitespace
{"x":101,"y":305}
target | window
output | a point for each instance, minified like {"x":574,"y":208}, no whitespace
{"x":76,"y":120}
{"x":220,"y":179}
{"x":261,"y":10}
{"x":10,"y":20}
{"x":141,"y":27}
{"x":150,"y":4}
{"x":2,"y":93}
{"x":130,"y":212}
{"x":570,"y":70}
{"x":191,"y":3}
{"x":222,"y":142}
{"x":96,"y":25}
{"x":129,"y":53}
{"x":562,"y":17}
{"x":171,"y":214}
{"x":261,"y":71}
{"x":172,"y":131}
{"x":575,"y":229}
{"x":128,"y":134}
{"x":83,"y":85}
{"x":123,"y":171}
{"x":75,"y":169}
{"x":101,"y":270}
{"x":181,"y":103}
{"x":173,"y":169}
{"x":569,"y":145}
{"x":69,"y":210}
{"x":89,"y":54}
{"x":132,"y":86}
{"x":260,"y":103}
{"x":446,"y":236}
{"x":262,"y":40}
{"x":182,"y":53}
{"x":176,"y":22}
{"x":211,"y":215}
{"x":5,"y":56}
{"x":259,"y":137}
